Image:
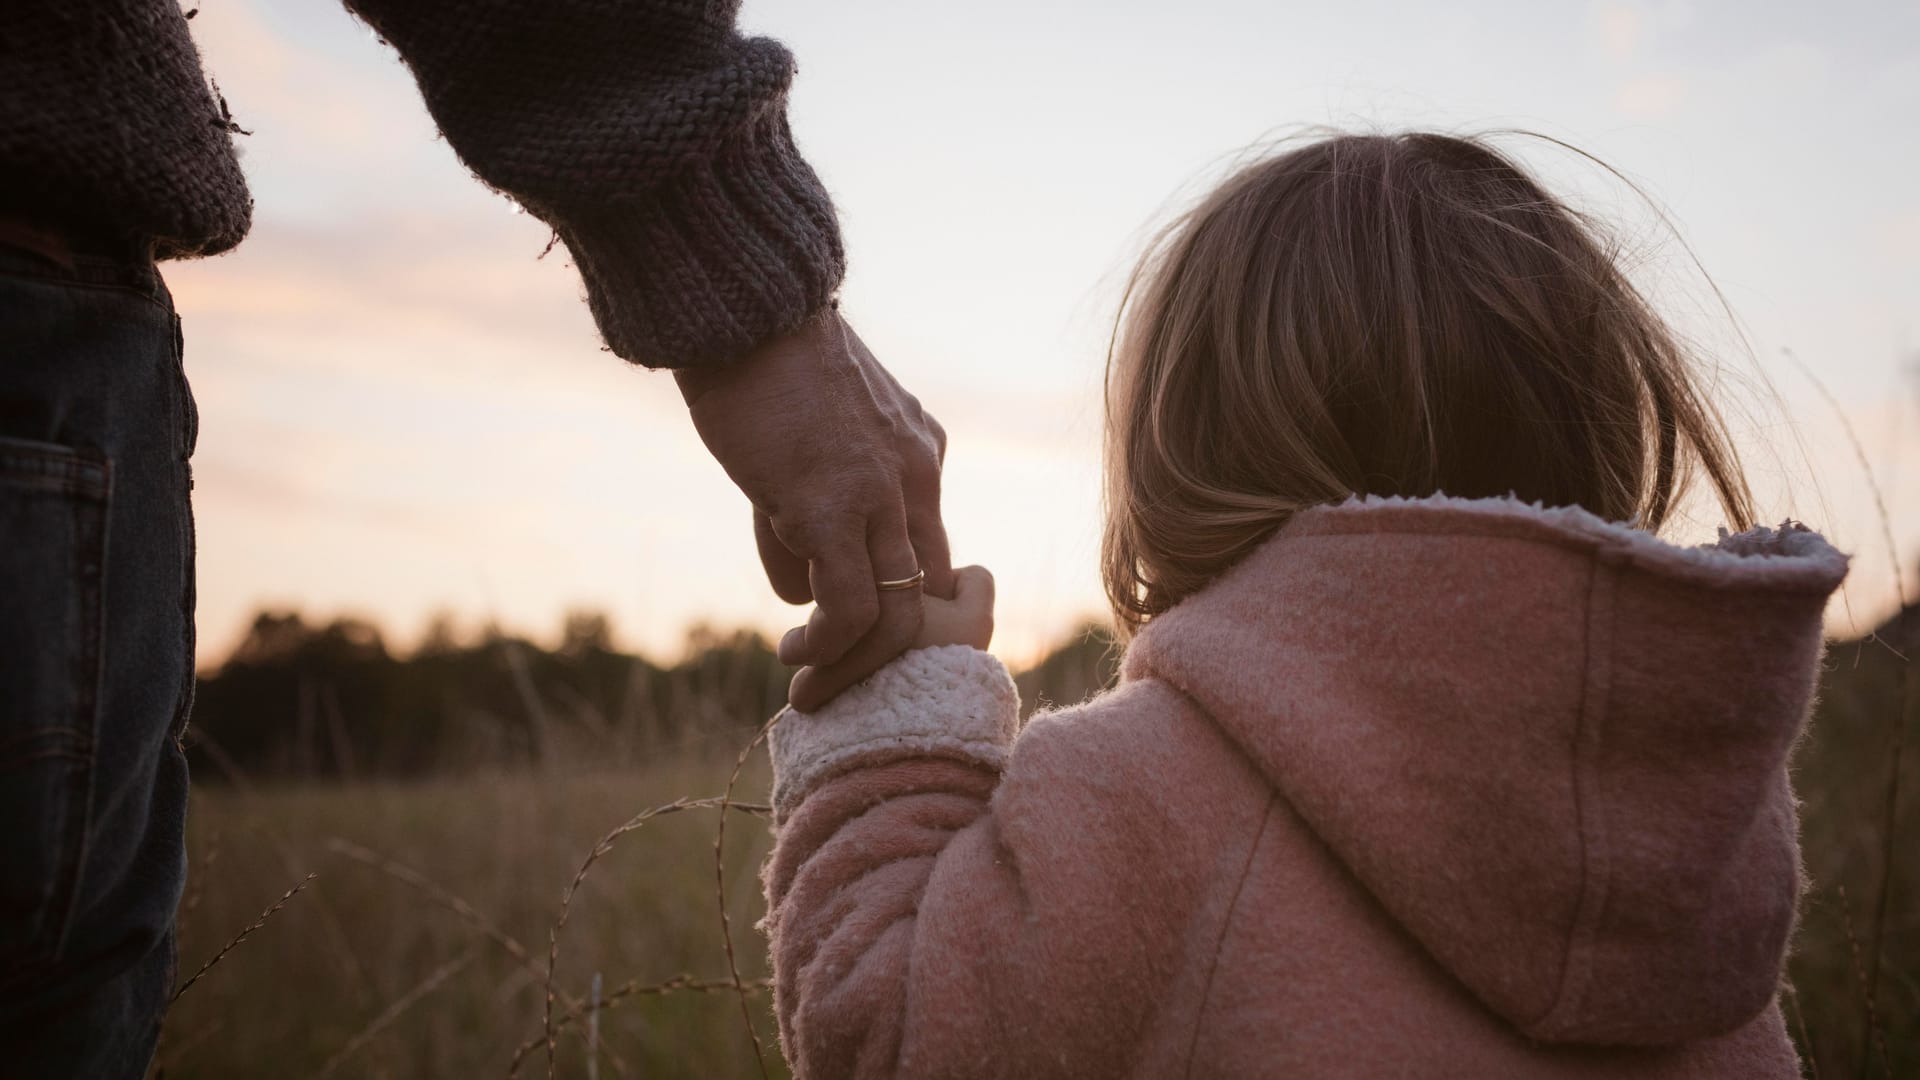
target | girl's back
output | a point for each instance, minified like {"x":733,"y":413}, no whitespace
{"x":1421,"y":788}
{"x":1394,"y":783}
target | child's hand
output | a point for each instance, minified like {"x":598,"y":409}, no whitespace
{"x":967,"y":619}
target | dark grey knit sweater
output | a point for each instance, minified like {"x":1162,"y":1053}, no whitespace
{"x":648,"y":133}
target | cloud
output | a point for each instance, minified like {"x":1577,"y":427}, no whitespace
{"x":1619,"y":27}
{"x":1899,"y":235}
{"x":280,"y":86}
{"x":395,"y":277}
{"x":1651,"y":96}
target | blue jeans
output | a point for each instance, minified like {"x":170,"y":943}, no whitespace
{"x":96,"y":659}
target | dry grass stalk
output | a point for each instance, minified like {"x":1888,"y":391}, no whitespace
{"x":600,"y":849}
{"x":1860,"y":975}
{"x":593,"y":1033}
{"x":466,"y":912}
{"x":1792,"y":998}
{"x":447,"y":899}
{"x":197,"y":881}
{"x":400,"y":1005}
{"x":289,"y":858}
{"x":418,"y":881}
{"x":196,"y":887}
{"x":720,"y":885}
{"x":1873,"y":488}
{"x":185,"y":1046}
{"x":682,"y":983}
{"x":1892,"y":803}
{"x":242,"y":936}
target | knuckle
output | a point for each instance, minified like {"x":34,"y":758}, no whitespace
{"x":927,"y":463}
{"x":923,"y":517}
{"x":856,"y":485}
{"x":820,"y":528}
{"x":795,"y":530}
{"x":923,"y":467}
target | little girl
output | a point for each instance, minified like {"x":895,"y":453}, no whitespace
{"x":1489,"y":783}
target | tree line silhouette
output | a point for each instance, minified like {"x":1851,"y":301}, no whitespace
{"x":332,"y":700}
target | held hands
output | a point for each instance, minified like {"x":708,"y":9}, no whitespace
{"x":842,"y":466}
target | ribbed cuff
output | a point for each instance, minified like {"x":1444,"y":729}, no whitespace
{"x":949,"y":702}
{"x":736,"y":249}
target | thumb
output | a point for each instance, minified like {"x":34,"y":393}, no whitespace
{"x":967,"y":619}
{"x":973,"y":588}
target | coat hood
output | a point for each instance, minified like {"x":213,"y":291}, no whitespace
{"x":1553,"y":748}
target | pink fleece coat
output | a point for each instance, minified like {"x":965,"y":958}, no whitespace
{"x":1438,"y":788}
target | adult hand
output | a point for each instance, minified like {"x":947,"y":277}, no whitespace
{"x":842,"y":466}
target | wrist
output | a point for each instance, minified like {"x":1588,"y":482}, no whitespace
{"x":695,"y":382}
{"x":803,"y":340}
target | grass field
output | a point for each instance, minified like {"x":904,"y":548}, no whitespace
{"x":418,"y":948}
{"x":365,"y":975}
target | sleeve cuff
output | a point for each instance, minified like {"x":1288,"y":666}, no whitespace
{"x":951,"y":702}
{"x":735,"y":250}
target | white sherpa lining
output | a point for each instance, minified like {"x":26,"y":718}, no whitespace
{"x":1789,"y":555}
{"x":950,"y":701}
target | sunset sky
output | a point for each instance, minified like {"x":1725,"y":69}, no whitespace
{"x":404,"y":410}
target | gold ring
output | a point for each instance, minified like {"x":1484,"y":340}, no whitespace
{"x":914,"y":582}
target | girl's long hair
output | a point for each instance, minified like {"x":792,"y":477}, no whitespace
{"x":1384,"y":315}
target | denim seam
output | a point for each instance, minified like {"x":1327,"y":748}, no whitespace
{"x":150,"y":294}
{"x":89,"y":671}
{"x":81,"y":740}
{"x":70,"y":473}
{"x":77,"y":753}
{"x":87,"y":481}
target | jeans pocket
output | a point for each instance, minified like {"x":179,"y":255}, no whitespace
{"x":53,"y":546}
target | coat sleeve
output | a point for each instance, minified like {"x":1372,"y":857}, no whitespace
{"x":945,"y":900}
{"x":653,"y":138}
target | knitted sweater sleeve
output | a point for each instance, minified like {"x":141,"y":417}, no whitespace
{"x":653,"y":138}
{"x":946,"y":898}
